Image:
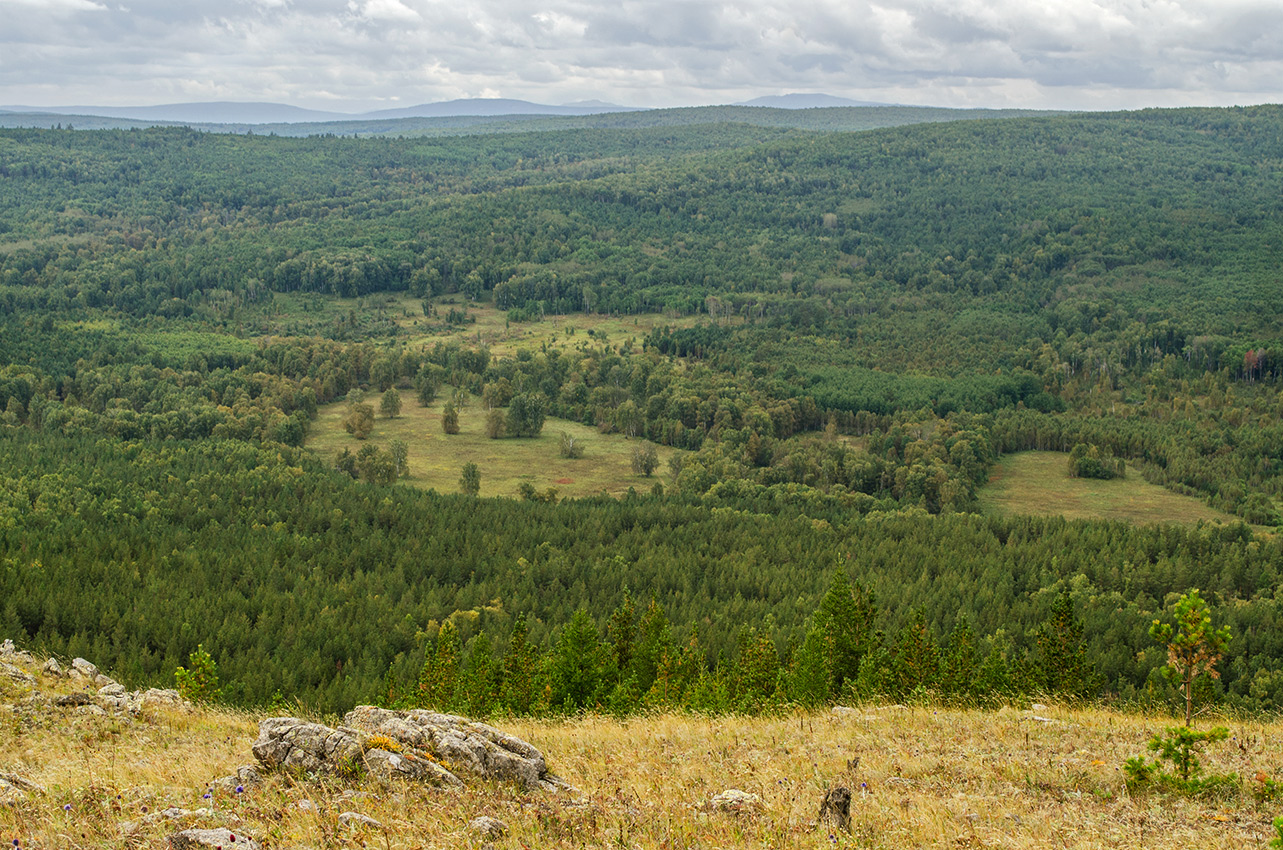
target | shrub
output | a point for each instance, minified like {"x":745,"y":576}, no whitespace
{"x":198,"y":681}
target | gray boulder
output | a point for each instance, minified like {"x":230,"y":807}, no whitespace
{"x":475,"y":749}
{"x":80,"y":668}
{"x":293,"y":744}
{"x":389,"y":765}
{"x":161,"y":698}
{"x":488,"y":828}
{"x":419,"y":746}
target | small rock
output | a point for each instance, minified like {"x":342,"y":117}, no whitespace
{"x":358,"y":819}
{"x":14,"y":787}
{"x":92,"y":710}
{"x":194,"y":839}
{"x":8,"y":650}
{"x":101,"y":681}
{"x":74,"y":699}
{"x":16,"y":674}
{"x":115,"y":689}
{"x":53,"y":668}
{"x":82,"y":668}
{"x":21,"y":783}
{"x":734,"y":800}
{"x":1038,"y":707}
{"x":245,"y":777}
{"x":161,"y":698}
{"x":488,"y":828}
{"x":307,"y":805}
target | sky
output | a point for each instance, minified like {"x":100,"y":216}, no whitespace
{"x":357,"y":55}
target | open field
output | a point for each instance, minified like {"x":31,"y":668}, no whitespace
{"x":1039,"y":483}
{"x":492,"y":328}
{"x":436,"y":458}
{"x":926,"y":777}
{"x":483,"y":324}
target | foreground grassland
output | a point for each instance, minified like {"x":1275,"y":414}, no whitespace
{"x":1039,"y":483}
{"x":436,"y":458}
{"x":925,"y":778}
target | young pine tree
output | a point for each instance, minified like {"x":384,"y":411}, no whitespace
{"x":850,"y":613}
{"x":1063,"y":664}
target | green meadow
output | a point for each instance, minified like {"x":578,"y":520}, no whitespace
{"x":436,"y":459}
{"x":1039,"y":483}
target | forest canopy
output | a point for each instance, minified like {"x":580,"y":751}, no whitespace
{"x":853,"y":327}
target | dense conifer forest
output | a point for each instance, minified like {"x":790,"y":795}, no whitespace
{"x":857,"y":325}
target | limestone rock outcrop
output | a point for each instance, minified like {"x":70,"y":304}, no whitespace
{"x":421,"y":746}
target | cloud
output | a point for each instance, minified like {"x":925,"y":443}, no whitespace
{"x":57,"y":6}
{"x":383,"y":10}
{"x":364,"y":53}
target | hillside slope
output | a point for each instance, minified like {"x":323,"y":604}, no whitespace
{"x":918,"y":776}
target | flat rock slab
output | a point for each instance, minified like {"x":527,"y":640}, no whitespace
{"x":735,"y":800}
{"x":202,"y":839}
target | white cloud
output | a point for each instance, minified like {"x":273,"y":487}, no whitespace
{"x":383,"y":10}
{"x":58,"y":6}
{"x":359,"y":53}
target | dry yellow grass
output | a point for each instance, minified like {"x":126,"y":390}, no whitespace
{"x":927,"y":777}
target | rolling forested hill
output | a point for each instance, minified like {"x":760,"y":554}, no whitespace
{"x":857,"y":325}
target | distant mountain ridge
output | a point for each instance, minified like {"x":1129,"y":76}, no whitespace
{"x":231,"y":112}
{"x":236,"y":112}
{"x":809,"y":101}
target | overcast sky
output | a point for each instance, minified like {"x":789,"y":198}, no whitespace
{"x":352,"y":55}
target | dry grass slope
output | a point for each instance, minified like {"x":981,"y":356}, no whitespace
{"x":1039,"y":483}
{"x":926,"y":778}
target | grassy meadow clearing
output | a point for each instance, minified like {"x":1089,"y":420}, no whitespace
{"x":436,"y":458}
{"x":481,"y":323}
{"x":1039,"y":483}
{"x":925,"y":777}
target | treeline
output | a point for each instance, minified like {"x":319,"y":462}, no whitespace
{"x":297,"y":578}
{"x":631,"y":662}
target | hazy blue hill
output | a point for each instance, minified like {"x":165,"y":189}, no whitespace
{"x":807,"y":101}
{"x":523,"y":118}
{"x":218,"y":112}
{"x":491,"y":107}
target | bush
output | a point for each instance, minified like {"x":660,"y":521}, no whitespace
{"x":198,"y":681}
{"x":360,"y":420}
{"x":645,"y":459}
{"x":470,"y":479}
{"x":1180,"y":747}
{"x":570,"y":447}
{"x":1089,"y":461}
{"x":450,"y":419}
